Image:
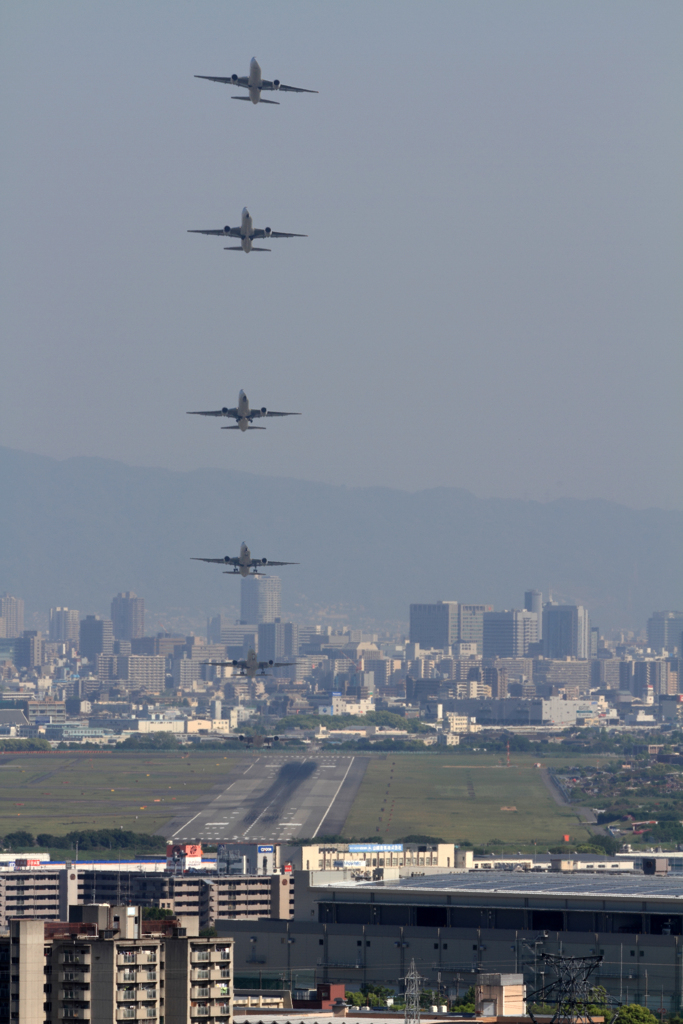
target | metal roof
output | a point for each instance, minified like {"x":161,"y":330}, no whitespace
{"x":537,"y":883}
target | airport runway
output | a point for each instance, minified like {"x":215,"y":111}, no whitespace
{"x":276,"y":798}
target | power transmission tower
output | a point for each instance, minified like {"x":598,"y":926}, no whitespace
{"x":571,"y":989}
{"x":412,"y":980}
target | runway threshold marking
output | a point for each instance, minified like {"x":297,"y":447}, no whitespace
{"x":333,"y":798}
{"x":196,"y":815}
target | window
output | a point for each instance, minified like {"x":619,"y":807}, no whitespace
{"x":359,"y":942}
{"x":225,"y":972}
{"x":203,"y":993}
{"x":201,"y":954}
{"x":445,"y":945}
{"x":202,"y":973}
{"x":321,"y":942}
{"x":436,"y":945}
{"x":128,"y":1012}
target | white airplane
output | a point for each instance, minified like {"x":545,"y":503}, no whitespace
{"x":247,"y":232}
{"x":243,"y":563}
{"x":243,"y":414}
{"x":250,"y":665}
{"x":255,"y":84}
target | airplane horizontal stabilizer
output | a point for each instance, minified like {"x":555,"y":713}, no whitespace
{"x":274,"y":102}
{"x":248,"y":428}
{"x":236,"y":247}
{"x":247,"y":98}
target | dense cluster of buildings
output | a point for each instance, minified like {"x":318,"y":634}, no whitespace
{"x":294,"y":923}
{"x":462,"y":667}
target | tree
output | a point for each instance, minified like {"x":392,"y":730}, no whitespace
{"x":635,"y":1014}
{"x":156,"y":914}
{"x":18,"y":838}
{"x":208,"y":933}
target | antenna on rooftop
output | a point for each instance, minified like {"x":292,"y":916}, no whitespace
{"x":412,"y":980}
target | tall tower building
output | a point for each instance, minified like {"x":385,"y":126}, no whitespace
{"x":128,"y":616}
{"x":261,"y":599}
{"x":278,"y":641}
{"x":434,"y":626}
{"x":12,"y":611}
{"x":508,"y":634}
{"x":664,"y":631}
{"x":471,"y":624}
{"x":566,"y":631}
{"x":533,"y":602}
{"x":96,"y":636}
{"x":64,"y":624}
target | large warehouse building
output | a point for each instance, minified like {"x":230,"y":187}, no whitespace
{"x":459,"y":925}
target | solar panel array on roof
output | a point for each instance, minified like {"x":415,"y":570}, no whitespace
{"x":532,"y":883}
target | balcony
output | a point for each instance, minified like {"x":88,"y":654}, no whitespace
{"x":199,"y":956}
{"x":136,"y":1013}
{"x":72,"y":975}
{"x":126,"y":958}
{"x":200,"y":1012}
{"x":74,"y":1013}
{"x":200,"y":992}
{"x":81,"y":995}
{"x":70,"y":957}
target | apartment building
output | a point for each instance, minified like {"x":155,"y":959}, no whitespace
{"x":109,"y":965}
{"x":366,"y":856}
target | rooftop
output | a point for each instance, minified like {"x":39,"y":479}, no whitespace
{"x":532,"y":883}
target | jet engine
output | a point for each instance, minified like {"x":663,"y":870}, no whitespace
{"x":264,"y":561}
{"x":224,"y":409}
{"x":235,"y":662}
{"x":267,"y":232}
{"x":226,"y":558}
{"x":235,"y":78}
{"x":263,"y":410}
{"x":226,"y":229}
{"x":276,"y":83}
{"x":271,"y":662}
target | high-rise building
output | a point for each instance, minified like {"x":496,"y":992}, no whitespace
{"x":434,"y":626}
{"x":64,"y":624}
{"x":260,"y":599}
{"x":533,"y":602}
{"x":12,"y":611}
{"x":215,"y":626}
{"x":142,"y":672}
{"x":508,"y":634}
{"x":566,"y":631}
{"x":664,"y":631}
{"x":128,"y":616}
{"x":471,"y":624}
{"x":96,"y":636}
{"x":28,"y":650}
{"x":278,"y":641}
{"x":496,"y":676}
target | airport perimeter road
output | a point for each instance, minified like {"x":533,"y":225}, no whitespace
{"x":277,"y":798}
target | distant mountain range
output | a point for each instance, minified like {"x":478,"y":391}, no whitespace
{"x":77,"y":531}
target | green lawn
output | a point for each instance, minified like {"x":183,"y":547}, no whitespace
{"x":463,"y":796}
{"x":64,"y":791}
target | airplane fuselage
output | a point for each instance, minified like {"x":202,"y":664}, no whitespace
{"x":254,"y":81}
{"x":246,"y":230}
{"x":243,"y":412}
{"x":245,"y":560}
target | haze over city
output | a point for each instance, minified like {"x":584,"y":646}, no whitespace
{"x":487,"y":297}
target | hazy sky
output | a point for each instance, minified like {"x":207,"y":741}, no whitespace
{"x":489,"y":296}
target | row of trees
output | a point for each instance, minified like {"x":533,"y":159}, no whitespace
{"x":86,"y":839}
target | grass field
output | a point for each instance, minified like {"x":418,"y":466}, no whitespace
{"x":463,"y":796}
{"x":65,"y":791}
{"x":457,"y":796}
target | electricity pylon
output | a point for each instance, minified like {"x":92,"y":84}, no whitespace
{"x":571,"y":989}
{"x":412,"y":980}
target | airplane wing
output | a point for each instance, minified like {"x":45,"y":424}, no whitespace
{"x":257,"y":562}
{"x":243,"y":81}
{"x":232,"y":233}
{"x":215,"y":412}
{"x":270,"y":85}
{"x":260,"y":233}
{"x":221,"y":561}
{"x":226,"y":664}
{"x":257,"y":414}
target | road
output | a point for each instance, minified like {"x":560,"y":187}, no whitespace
{"x":275,"y":798}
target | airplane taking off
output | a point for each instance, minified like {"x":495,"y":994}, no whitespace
{"x":243,"y":563}
{"x":243,"y":414}
{"x":255,"y":84}
{"x":250,"y":665}
{"x":247,"y":232}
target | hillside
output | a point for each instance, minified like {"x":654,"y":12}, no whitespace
{"x":75,"y":532}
